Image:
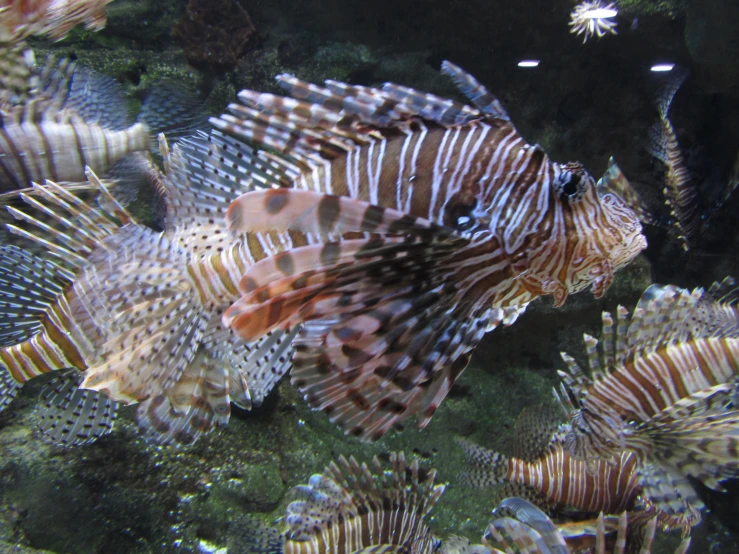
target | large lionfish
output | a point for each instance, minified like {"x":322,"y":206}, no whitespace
{"x":20,"y":19}
{"x":664,"y":387}
{"x":139,"y":312}
{"x":352,"y":508}
{"x":551,"y":476}
{"x":429,"y":223}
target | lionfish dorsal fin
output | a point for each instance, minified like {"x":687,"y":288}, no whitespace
{"x":68,"y":415}
{"x":536,"y":429}
{"x":443,"y":111}
{"x":75,"y":227}
{"x":475,"y":91}
{"x":614,"y":181}
{"x":666,"y":94}
{"x":668,"y":314}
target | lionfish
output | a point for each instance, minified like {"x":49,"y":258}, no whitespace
{"x":663,"y":386}
{"x":553,"y":477}
{"x":518,"y":522}
{"x":353,"y":508}
{"x":58,"y":119}
{"x":691,"y":217}
{"x":20,"y":19}
{"x":427,"y":223}
{"x":137,"y":311}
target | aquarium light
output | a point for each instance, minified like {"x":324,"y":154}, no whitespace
{"x":601,"y":13}
{"x":662,"y":67}
{"x":528,"y":63}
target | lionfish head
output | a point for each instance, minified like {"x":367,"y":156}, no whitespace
{"x":589,"y":437}
{"x":602,"y":232}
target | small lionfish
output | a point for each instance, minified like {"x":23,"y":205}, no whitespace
{"x":20,"y":19}
{"x":691,"y":216}
{"x":531,"y":531}
{"x":664,"y":387}
{"x":593,"y":18}
{"x":66,"y":119}
{"x":138,"y":312}
{"x":555,"y":478}
{"x":430,"y":223}
{"x":352,"y":508}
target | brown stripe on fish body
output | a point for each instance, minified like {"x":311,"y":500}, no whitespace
{"x":563,"y":480}
{"x":433,"y":160}
{"x":13,"y":150}
{"x":53,"y":348}
{"x":663,"y":377}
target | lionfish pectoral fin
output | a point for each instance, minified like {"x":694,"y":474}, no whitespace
{"x":671,"y":494}
{"x":68,"y":415}
{"x":313,"y":212}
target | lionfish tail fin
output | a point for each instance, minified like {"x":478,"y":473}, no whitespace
{"x":537,"y":427}
{"x":70,"y":416}
{"x":489,"y":468}
{"x":250,"y":535}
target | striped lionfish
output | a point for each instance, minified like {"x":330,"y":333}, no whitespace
{"x":426,"y":223}
{"x":553,"y":477}
{"x":139,"y":312}
{"x":20,"y":19}
{"x":663,"y":386}
{"x":519,"y":523}
{"x":352,"y":508}
{"x":57,"y":120}
{"x":691,"y":218}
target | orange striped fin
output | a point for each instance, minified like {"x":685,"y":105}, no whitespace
{"x":312,"y":212}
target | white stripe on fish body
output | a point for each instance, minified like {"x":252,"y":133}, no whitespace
{"x":33,"y":151}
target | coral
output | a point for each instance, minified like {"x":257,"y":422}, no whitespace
{"x":215,"y":34}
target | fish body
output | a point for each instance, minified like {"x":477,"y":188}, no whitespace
{"x":35,"y":146}
{"x":662,"y":387}
{"x":353,"y":508}
{"x":138,"y":312}
{"x":428,"y":223}
{"x":561,"y":480}
{"x":20,"y":19}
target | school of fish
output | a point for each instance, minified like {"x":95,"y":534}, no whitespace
{"x":363,"y":240}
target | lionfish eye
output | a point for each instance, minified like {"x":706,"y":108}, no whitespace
{"x":570,"y":185}
{"x":460,"y":217}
